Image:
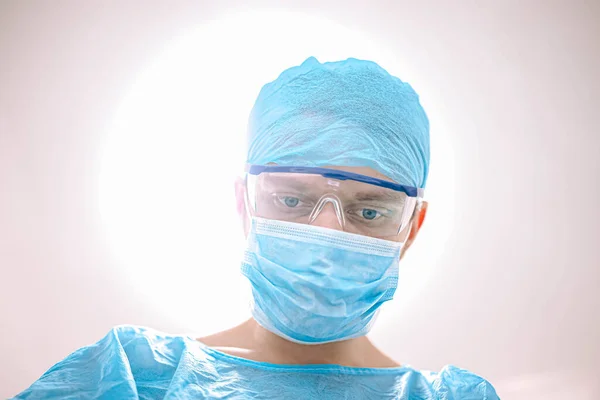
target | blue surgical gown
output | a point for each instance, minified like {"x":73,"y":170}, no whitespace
{"x":140,"y":363}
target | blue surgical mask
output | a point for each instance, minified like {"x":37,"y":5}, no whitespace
{"x":316,"y":285}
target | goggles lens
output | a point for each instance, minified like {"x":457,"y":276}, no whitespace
{"x":360,"y":204}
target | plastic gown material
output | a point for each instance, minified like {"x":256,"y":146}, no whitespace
{"x":139,"y":363}
{"x":345,"y":113}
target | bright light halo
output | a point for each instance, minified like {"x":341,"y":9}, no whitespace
{"x":176,"y":145}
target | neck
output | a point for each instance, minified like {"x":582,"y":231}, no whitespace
{"x":251,"y":341}
{"x":358,"y":352}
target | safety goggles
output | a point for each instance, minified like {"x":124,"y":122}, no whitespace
{"x":362,"y":204}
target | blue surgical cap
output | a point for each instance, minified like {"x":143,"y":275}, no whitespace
{"x":347,"y":113}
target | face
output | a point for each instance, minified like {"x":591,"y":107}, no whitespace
{"x":366,"y":209}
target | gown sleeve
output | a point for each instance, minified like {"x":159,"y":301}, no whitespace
{"x":457,"y":383}
{"x":97,"y":371}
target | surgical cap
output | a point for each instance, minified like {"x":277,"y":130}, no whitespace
{"x":347,"y":113}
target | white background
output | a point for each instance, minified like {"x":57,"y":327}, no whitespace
{"x":121,"y":131}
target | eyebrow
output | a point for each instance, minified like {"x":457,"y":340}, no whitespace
{"x":287,"y":182}
{"x":380,"y":195}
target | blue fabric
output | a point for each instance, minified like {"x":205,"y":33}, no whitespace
{"x":138,"y":363}
{"x":316,"y":285}
{"x":345,"y":113}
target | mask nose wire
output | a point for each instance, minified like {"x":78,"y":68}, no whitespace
{"x":337,"y":205}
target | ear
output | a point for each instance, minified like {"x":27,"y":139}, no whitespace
{"x":240,"y":197}
{"x":415,"y":226}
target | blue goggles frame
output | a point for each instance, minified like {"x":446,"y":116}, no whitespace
{"x":339,"y":175}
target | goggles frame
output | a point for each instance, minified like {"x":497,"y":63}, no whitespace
{"x":414,"y":195}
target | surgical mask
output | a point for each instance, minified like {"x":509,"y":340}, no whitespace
{"x":315,"y":285}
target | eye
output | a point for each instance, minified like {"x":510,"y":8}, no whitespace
{"x":289,"y":201}
{"x":370,"y":214}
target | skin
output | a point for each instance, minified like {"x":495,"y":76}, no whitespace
{"x":251,"y":341}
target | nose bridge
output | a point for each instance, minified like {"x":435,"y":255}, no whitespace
{"x":330,"y":208}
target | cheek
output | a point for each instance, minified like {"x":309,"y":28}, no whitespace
{"x":401,"y":237}
{"x":397,"y":238}
{"x":402,"y":252}
{"x":404,"y":234}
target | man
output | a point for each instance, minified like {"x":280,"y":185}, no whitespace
{"x":331,"y":200}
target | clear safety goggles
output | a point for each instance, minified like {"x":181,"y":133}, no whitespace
{"x":362,"y":204}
